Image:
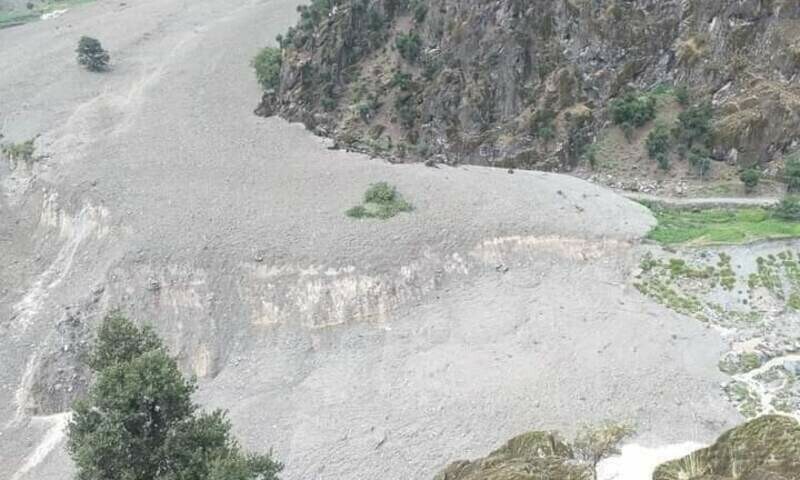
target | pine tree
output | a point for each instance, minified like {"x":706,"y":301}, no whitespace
{"x":138,"y":421}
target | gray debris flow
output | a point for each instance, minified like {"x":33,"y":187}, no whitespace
{"x":356,"y":349}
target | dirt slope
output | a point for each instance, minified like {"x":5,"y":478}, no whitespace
{"x":356,"y":349}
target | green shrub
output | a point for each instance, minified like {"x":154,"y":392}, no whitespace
{"x":376,"y":27}
{"x":663,"y":161}
{"x":431,"y":66}
{"x":91,"y":54}
{"x":788,"y":208}
{"x":380,"y":192}
{"x":364,"y":110}
{"x":590,"y":155}
{"x":367,"y":107}
{"x":381,"y":200}
{"x":409,"y":45}
{"x":682,"y":95}
{"x":22,"y":151}
{"x":359,"y":211}
{"x":682,"y":151}
{"x":542,"y":124}
{"x":700,"y":161}
{"x":406,"y":108}
{"x":268,"y":67}
{"x":694,"y":125}
{"x":311,"y":15}
{"x":750,"y":178}
{"x":328,"y":103}
{"x":658,"y":141}
{"x":661,"y":89}
{"x":627,"y":130}
{"x":138,"y":420}
{"x":419,"y":9}
{"x":401,"y":80}
{"x":595,"y":443}
{"x":791,"y":173}
{"x":633,"y":109}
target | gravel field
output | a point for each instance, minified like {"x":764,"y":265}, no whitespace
{"x":357,"y":349}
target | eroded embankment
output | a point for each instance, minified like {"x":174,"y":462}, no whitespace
{"x":256,"y":294}
{"x":205,"y":310}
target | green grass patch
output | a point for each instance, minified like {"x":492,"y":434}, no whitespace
{"x":19,"y":151}
{"x":382,"y":201}
{"x":719,"y":226}
{"x":10,"y":18}
{"x":17,"y":17}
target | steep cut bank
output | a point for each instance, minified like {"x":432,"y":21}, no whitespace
{"x":528,"y":83}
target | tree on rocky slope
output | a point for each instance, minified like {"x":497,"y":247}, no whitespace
{"x":268,"y":67}
{"x":138,"y":421}
{"x":791,"y":172}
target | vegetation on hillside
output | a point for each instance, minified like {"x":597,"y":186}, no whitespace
{"x":658,"y":146}
{"x":33,"y":10}
{"x":750,"y":177}
{"x":788,"y":208}
{"x":268,"y":67}
{"x":693,"y":127}
{"x":593,"y":444}
{"x":138,"y":421}
{"x":633,"y":110}
{"x":22,"y":151}
{"x":402,"y":79}
{"x":792,"y":172}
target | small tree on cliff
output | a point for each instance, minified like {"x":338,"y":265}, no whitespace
{"x":791,"y":173}
{"x":91,"y":54}
{"x":138,"y":421}
{"x":750,"y":178}
{"x":268,"y":67}
{"x":593,"y":444}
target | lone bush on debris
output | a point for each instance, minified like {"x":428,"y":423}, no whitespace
{"x":91,"y":54}
{"x":381,"y":200}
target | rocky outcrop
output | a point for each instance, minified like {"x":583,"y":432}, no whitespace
{"x":526,"y":83}
{"x":767,"y":448}
{"x":532,"y":456}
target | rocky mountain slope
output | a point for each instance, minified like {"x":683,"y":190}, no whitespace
{"x":528,"y":83}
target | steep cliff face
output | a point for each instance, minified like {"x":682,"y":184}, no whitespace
{"x":527,"y":83}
